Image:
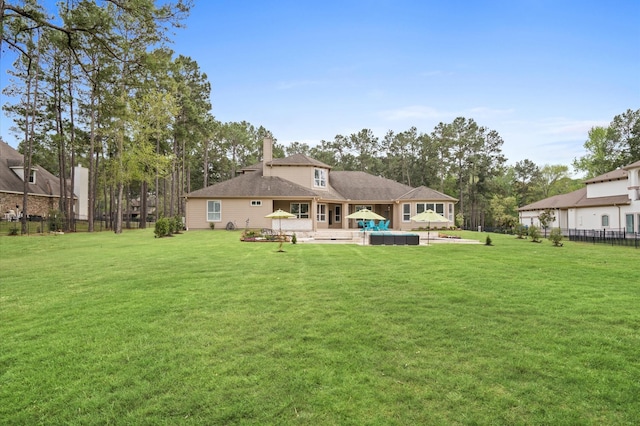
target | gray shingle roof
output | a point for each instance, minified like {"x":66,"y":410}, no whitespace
{"x":253,"y":184}
{"x":427,"y":194}
{"x":576,"y":198}
{"x":343,"y":185}
{"x":633,"y":165}
{"x":616,"y":174}
{"x":46,"y":183}
{"x":366,"y":187}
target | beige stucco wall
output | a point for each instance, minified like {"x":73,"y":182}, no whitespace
{"x":303,"y":176}
{"x":232,"y":210}
{"x":239,"y":210}
{"x":400,"y":224}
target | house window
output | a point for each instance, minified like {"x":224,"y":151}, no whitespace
{"x":436,"y":207}
{"x":337,"y":214}
{"x":321,"y":212}
{"x":605,"y":220}
{"x":256,"y":203}
{"x":451,"y":212}
{"x":406,"y":212}
{"x":32,"y":177}
{"x":214,"y":211}
{"x":301,"y":210}
{"x":320,"y":178}
{"x":629,"y":221}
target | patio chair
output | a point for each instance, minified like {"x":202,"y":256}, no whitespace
{"x":383,"y":225}
{"x":371,"y":226}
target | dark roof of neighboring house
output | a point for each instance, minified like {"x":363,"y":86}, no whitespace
{"x":576,"y":198}
{"x":46,"y":183}
{"x":616,"y":174}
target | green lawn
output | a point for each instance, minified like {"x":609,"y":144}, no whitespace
{"x":204,"y":329}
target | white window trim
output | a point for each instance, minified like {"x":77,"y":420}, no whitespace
{"x":403,"y":213}
{"x":213,"y":212}
{"x":321,"y":213}
{"x":299,"y":215}
{"x":321,"y":181}
{"x":256,"y":203}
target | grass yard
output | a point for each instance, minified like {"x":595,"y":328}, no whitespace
{"x":204,"y":329}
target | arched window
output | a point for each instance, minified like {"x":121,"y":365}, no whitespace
{"x":605,"y":220}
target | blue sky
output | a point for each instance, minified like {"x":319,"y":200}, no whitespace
{"x":539,"y":72}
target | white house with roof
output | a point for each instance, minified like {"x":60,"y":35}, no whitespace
{"x":607,"y":202}
{"x":318,"y":196}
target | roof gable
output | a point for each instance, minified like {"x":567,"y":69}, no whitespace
{"x":426,"y":193}
{"x":46,"y":183}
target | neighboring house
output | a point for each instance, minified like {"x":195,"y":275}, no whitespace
{"x":610,"y":201}
{"x":320,"y":198}
{"x":44,"y":187}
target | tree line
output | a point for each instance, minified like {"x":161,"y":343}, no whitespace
{"x":98,"y":85}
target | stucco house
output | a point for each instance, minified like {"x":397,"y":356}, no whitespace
{"x":607,"y":202}
{"x":319,"y":197}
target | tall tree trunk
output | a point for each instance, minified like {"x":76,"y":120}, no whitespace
{"x":71,"y":210}
{"x":143,"y":205}
{"x":157,"y":184}
{"x":29,"y":136}
{"x":92,"y":160}
{"x":128,"y":206}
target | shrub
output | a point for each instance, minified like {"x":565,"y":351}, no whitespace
{"x":56,"y":219}
{"x":521,"y":231}
{"x":488,"y":241}
{"x":534,"y":234}
{"x":556,"y":237}
{"x":294,"y":239}
{"x":212,"y":225}
{"x":163,"y":228}
{"x":175,"y":225}
{"x":13,"y":231}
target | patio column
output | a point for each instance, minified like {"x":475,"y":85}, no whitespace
{"x":314,"y":214}
{"x":345,"y":211}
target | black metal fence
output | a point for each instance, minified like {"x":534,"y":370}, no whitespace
{"x":604,"y":236}
{"x":40,"y":225}
{"x":613,"y":237}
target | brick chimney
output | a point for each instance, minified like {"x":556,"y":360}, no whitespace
{"x":267,"y":156}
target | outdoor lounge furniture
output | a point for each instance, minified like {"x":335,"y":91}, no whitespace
{"x":383,"y":225}
{"x":377,"y":239}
